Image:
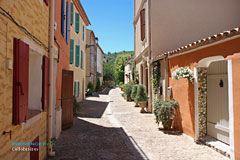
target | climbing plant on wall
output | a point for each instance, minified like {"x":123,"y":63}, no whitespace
{"x":156,"y":76}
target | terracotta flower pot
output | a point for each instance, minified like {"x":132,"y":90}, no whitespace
{"x":168,"y":126}
{"x":143,"y":105}
{"x":136,"y":103}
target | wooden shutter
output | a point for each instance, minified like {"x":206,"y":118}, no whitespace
{"x":45,"y":96}
{"x":142,"y":20}
{"x":20,"y":81}
{"x":78,"y":88}
{"x":76,"y":22}
{"x":75,"y":89}
{"x":77,"y":56}
{"x":62,"y":17}
{"x":67,"y":22}
{"x":46,"y":1}
{"x":82,"y":60}
{"x":72,"y":13}
{"x":34,"y":155}
{"x":71,"y":51}
{"x":83,"y":32}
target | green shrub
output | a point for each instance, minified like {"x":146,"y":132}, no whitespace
{"x":134,"y":91}
{"x":164,"y":111}
{"x":141,"y":93}
{"x":121,"y":85}
{"x":128,"y":89}
{"x":90,"y":88}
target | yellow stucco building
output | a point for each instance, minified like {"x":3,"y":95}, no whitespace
{"x":23,"y":48}
{"x":79,"y":22}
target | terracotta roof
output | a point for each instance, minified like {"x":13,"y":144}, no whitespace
{"x":203,"y":42}
{"x":82,"y":12}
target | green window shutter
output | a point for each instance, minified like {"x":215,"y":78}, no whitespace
{"x":75,"y":89}
{"x":71,"y":50}
{"x":71,"y":13}
{"x":76,"y":22}
{"x":82,"y":59}
{"x":83,"y":32}
{"x":77,"y":56}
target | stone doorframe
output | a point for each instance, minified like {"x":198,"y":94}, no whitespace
{"x":200,"y":96}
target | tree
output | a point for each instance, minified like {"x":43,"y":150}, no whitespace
{"x":108,"y":72}
{"x":119,"y":67}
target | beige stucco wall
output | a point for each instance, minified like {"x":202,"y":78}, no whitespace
{"x":26,"y":13}
{"x":79,"y":73}
{"x":177,"y":23}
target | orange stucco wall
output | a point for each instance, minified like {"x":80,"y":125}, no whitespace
{"x":64,"y":50}
{"x":183,"y":91}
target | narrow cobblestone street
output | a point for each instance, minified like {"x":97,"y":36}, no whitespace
{"x":108,"y":127}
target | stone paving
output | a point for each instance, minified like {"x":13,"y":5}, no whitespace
{"x":109,"y":128}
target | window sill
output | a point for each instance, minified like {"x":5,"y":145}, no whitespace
{"x":36,"y":116}
{"x":32,"y":113}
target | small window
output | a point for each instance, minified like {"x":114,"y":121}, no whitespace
{"x":142,"y":21}
{"x":77,"y":22}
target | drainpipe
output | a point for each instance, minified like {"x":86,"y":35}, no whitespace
{"x":51,"y":58}
{"x":166,"y":77}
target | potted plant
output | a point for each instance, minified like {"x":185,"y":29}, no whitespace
{"x":121,"y":85}
{"x":127,"y":91}
{"x":164,"y":112}
{"x":141,"y":97}
{"x":134,"y":93}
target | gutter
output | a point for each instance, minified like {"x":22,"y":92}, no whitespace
{"x":51,"y":87}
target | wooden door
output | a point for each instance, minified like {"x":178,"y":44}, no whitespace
{"x":217,"y":102}
{"x":67,"y":99}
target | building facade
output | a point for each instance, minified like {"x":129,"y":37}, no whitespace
{"x":91,"y":58}
{"x":100,"y":57}
{"x":78,"y":21}
{"x":23,"y":80}
{"x":128,"y":71}
{"x":179,"y":39}
{"x":141,"y":44}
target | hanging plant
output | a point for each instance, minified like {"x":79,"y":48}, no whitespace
{"x":183,"y":73}
{"x":156,"y":76}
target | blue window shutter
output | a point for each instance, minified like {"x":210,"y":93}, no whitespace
{"x":62,"y":17}
{"x":72,"y":13}
{"x":71,"y":51}
{"x":82,"y":59}
{"x":83,"y":32}
{"x":77,"y":22}
{"x":77,"y":56}
{"x":67,"y":22}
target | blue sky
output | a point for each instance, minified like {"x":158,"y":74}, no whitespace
{"x":111,"y":21}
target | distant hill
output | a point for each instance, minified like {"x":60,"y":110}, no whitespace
{"x":111,"y":57}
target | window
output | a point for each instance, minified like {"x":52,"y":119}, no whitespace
{"x":62,"y":17}
{"x":82,"y":59}
{"x":71,"y":50}
{"x":72,"y":13}
{"x":77,"y":50}
{"x":67,"y":22}
{"x":30,"y":82}
{"x":142,"y":21}
{"x":77,"y":22}
{"x":83,"y":28}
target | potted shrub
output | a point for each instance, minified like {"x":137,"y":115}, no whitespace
{"x":141,"y":97}
{"x":90,"y":88}
{"x":121,"y":85}
{"x":134,"y":93}
{"x":164,"y":112}
{"x":127,"y":91}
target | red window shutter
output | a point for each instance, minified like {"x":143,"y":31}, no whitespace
{"x":142,"y":21}
{"x":46,"y":1}
{"x":45,"y":83}
{"x":20,"y":81}
{"x":34,"y":155}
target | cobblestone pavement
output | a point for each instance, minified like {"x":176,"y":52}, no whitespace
{"x":109,"y":128}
